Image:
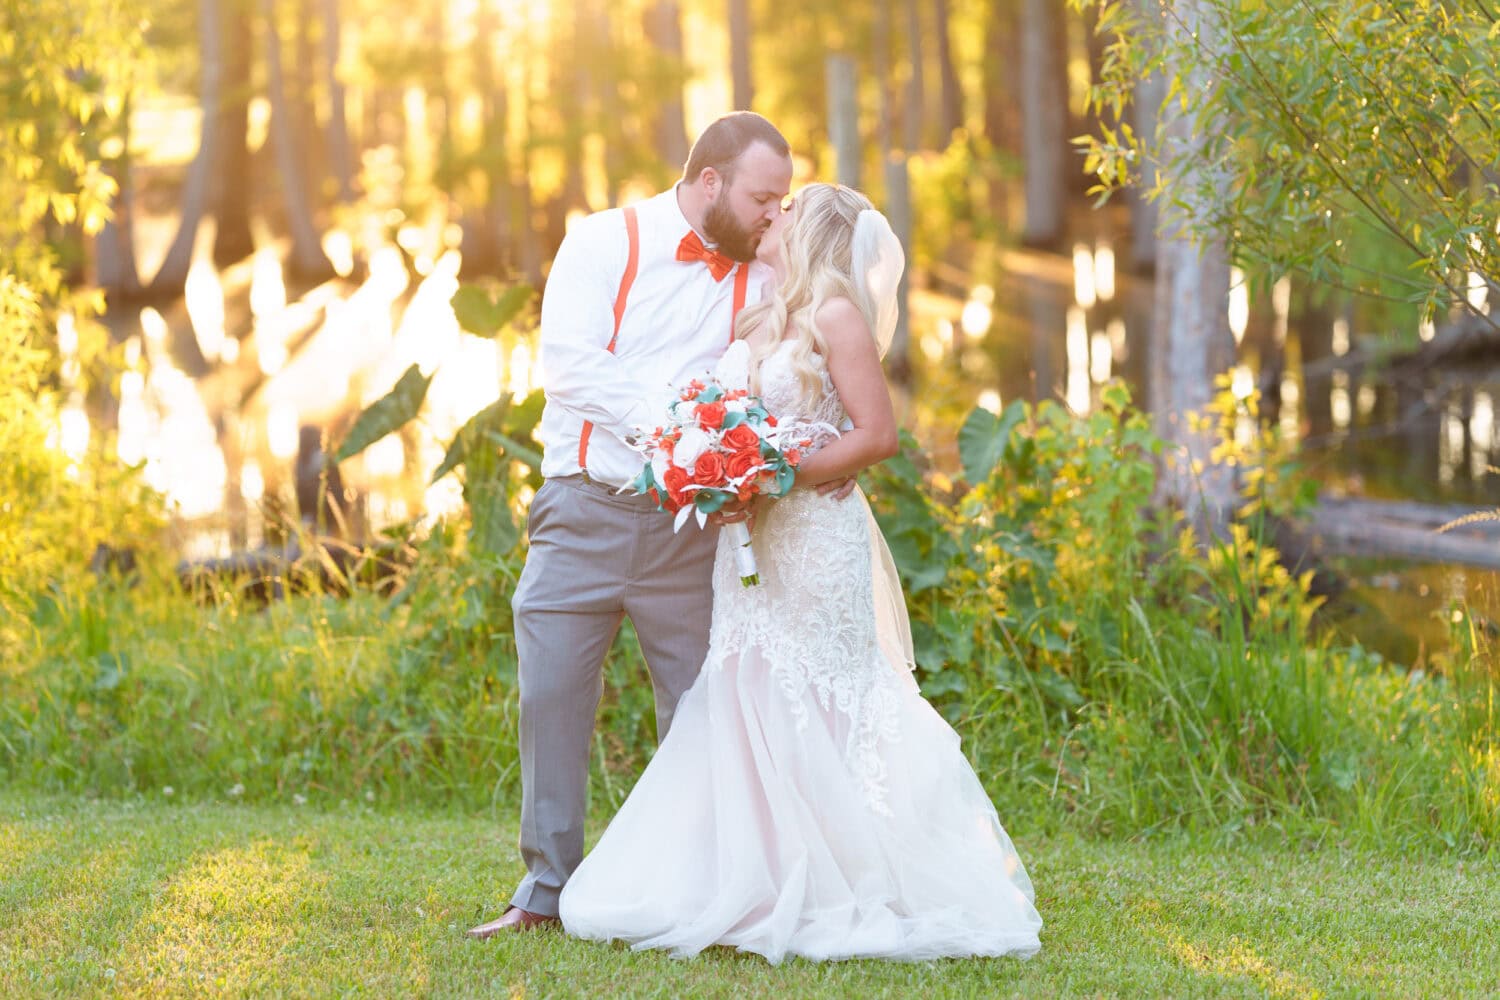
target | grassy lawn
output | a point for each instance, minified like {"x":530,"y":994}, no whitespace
{"x":178,"y":899}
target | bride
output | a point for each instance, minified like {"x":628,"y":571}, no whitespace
{"x":808,"y":800}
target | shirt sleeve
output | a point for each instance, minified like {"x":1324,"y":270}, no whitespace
{"x":579,"y":372}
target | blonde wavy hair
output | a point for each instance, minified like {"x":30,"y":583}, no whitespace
{"x":817,"y":257}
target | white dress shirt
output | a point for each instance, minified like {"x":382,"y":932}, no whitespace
{"x":676,"y":325}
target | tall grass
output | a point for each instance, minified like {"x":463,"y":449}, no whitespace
{"x":1107,"y":672}
{"x":1111,"y":671}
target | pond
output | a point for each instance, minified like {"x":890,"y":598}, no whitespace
{"x":227,"y":376}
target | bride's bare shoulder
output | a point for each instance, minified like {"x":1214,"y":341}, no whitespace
{"x":842,"y":324}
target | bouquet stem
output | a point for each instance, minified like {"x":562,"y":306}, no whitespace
{"x":744,"y":556}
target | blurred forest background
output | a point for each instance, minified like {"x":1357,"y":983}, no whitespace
{"x":268,"y":295}
{"x":294,"y":188}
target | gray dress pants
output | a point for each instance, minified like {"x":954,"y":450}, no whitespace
{"x":594,"y":557}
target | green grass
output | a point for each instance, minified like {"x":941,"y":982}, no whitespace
{"x":168,"y":898}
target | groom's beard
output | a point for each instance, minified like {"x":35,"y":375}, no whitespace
{"x":720,"y":225}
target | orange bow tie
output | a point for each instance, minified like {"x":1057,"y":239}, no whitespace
{"x":691,"y":248}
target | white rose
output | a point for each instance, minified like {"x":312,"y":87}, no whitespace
{"x":659,"y":464}
{"x":693,"y":443}
{"x":733,"y":369}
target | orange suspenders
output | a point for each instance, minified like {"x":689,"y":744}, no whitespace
{"x":632,"y":230}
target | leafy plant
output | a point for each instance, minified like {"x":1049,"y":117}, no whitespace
{"x":1354,"y":142}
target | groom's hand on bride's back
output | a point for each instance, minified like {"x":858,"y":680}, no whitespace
{"x":839,"y":488}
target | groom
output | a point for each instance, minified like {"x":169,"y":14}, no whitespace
{"x":638,"y":299}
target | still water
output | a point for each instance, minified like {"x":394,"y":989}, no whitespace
{"x":222,"y":381}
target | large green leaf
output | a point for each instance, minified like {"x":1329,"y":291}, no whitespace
{"x":493,"y":528}
{"x":483,"y":315}
{"x":388,"y":413}
{"x":491,"y":418}
{"x":983,"y":437}
{"x":520,"y":452}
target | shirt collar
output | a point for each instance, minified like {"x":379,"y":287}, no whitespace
{"x":679,"y":221}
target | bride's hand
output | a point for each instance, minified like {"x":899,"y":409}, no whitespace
{"x":732,"y":512}
{"x":839,"y":488}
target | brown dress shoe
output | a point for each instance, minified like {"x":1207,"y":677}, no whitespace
{"x":513,"y":919}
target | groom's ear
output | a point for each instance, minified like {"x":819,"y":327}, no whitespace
{"x":711,"y":181}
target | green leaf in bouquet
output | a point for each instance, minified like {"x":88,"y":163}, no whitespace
{"x":711,"y":394}
{"x":733,"y":419}
{"x":388,"y":413}
{"x":785,"y":477}
{"x":709,"y":501}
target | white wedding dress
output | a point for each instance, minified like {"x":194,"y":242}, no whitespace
{"x":807,"y":800}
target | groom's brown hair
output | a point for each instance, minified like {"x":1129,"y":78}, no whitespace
{"x":721,"y":144}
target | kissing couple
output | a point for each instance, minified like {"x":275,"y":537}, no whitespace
{"x":804,"y":799}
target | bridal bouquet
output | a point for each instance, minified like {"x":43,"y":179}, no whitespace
{"x":718,"y":443}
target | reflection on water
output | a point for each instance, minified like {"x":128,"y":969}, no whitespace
{"x":204,"y":298}
{"x":222,"y":383}
{"x":1054,"y":332}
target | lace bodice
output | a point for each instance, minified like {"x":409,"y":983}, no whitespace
{"x":781,"y":391}
{"x":811,"y":620}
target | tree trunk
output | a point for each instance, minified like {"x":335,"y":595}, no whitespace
{"x":232,"y":184}
{"x":1001,"y":77}
{"x":915,"y":104}
{"x":612,"y":111}
{"x":739,"y":54}
{"x":897,"y":179}
{"x":307,"y":258}
{"x":529,"y":249}
{"x":664,"y":31}
{"x":115,"y":268}
{"x":1144,"y":214}
{"x":1001,"y":83}
{"x":302,"y":85}
{"x":440,"y":97}
{"x":1044,"y":117}
{"x":843,"y":118}
{"x":171,"y":277}
{"x":951,"y":117}
{"x":484,"y":249}
{"x":1191,"y":342}
{"x":340,"y":154}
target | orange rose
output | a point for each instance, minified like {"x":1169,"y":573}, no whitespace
{"x":741,"y":462}
{"x":710,"y":415}
{"x":709,"y":469}
{"x":742,"y":437}
{"x":674,"y":479}
{"x":793,"y":456}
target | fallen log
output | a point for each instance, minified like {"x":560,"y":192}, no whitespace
{"x":1432,"y":533}
{"x":273,"y":572}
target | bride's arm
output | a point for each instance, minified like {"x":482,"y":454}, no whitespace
{"x":854,"y":366}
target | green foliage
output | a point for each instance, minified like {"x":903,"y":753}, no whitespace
{"x":1107,"y":669}
{"x":65,"y":63}
{"x":390,"y":412}
{"x":1107,"y":672}
{"x":489,"y":445}
{"x":1351,"y":141}
{"x":483,"y":314}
